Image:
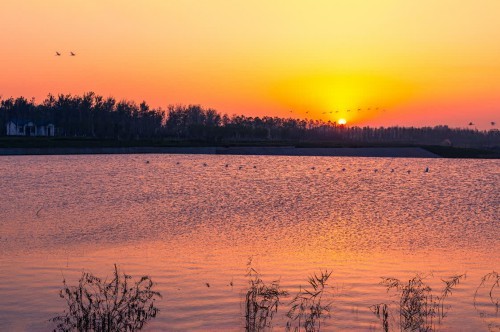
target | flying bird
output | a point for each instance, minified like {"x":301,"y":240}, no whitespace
{"x":471,"y":124}
{"x":58,"y":54}
{"x":72,"y":54}
{"x":493,"y":123}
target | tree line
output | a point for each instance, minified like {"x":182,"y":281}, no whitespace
{"x":94,"y":116}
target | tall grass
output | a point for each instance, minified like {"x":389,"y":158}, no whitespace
{"x":98,"y":305}
{"x":489,"y":292}
{"x":261,"y":301}
{"x":122,"y":304}
{"x":418,"y":308}
{"x":308,"y":308}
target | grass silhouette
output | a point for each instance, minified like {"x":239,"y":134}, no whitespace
{"x":98,"y":305}
{"x":261,"y":301}
{"x":418,"y":307}
{"x":308,"y":308}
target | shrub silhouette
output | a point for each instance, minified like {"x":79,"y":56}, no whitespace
{"x":117,"y":305}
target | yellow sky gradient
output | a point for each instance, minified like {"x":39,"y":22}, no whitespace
{"x":423,"y":62}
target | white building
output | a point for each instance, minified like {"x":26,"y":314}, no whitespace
{"x":29,"y":128}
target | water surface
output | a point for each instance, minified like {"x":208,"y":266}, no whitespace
{"x":189,"y":220}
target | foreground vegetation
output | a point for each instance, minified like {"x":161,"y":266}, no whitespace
{"x":99,"y":305}
{"x":123,"y":305}
{"x":92,"y":119}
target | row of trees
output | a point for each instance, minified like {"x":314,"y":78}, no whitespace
{"x":89,"y":115}
{"x":94,"y":116}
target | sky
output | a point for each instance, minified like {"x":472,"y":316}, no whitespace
{"x":371,"y":62}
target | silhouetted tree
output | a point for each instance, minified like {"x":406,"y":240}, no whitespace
{"x":91,"y":115}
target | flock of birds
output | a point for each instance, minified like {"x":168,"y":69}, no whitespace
{"x":426,"y":170}
{"x":307,"y":112}
{"x":493,"y":123}
{"x":349,"y":110}
{"x":70,"y":53}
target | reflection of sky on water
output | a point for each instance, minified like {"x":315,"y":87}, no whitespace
{"x":189,"y":224}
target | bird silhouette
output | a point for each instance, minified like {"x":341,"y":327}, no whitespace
{"x":493,"y":123}
{"x":471,"y":124}
{"x":72,"y":54}
{"x":58,"y":54}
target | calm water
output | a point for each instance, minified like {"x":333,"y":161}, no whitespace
{"x":186,"y":224}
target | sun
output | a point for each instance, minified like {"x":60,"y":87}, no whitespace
{"x":342,"y":121}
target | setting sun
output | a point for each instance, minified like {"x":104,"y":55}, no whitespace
{"x":342,"y":121}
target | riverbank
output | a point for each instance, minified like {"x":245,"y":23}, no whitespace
{"x":390,"y":152}
{"x":64,"y":146}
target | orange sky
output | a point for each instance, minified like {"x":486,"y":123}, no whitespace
{"x":424,"y":62}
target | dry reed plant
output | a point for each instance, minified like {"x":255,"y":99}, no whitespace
{"x":98,"y":305}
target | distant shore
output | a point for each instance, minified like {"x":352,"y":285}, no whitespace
{"x":387,"y":152}
{"x":15,"y":146}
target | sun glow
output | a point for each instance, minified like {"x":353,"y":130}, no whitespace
{"x":342,"y":121}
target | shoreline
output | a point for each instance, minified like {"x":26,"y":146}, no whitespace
{"x":384,"y":152}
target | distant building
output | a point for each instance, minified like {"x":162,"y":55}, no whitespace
{"x":29,"y":128}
